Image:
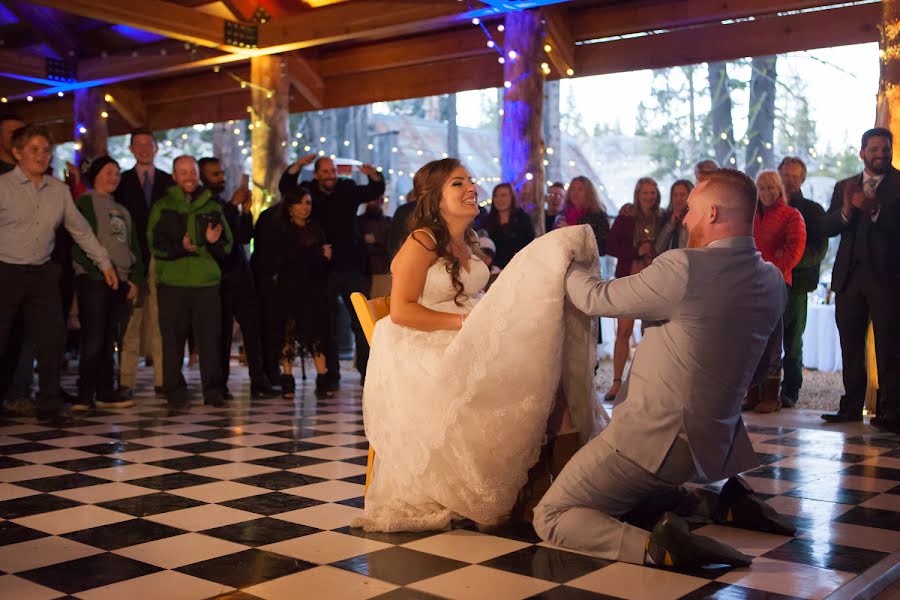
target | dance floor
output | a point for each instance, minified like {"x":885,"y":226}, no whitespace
{"x":254,"y":501}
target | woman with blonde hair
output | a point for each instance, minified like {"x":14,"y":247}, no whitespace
{"x":780,"y":235}
{"x":632,"y":240}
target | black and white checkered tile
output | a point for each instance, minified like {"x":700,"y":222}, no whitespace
{"x":255,"y":502}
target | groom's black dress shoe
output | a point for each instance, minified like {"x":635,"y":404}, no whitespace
{"x":739,"y":507}
{"x":673,"y":545}
{"x":841,"y":417}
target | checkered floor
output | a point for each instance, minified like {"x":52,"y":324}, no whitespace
{"x":255,"y":501}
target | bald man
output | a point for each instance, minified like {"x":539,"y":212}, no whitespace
{"x":709,"y":310}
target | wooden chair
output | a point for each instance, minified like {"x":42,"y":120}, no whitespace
{"x":368,"y":312}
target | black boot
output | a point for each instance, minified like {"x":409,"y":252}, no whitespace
{"x":287,"y":386}
{"x":323,"y":389}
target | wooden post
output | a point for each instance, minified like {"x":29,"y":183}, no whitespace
{"x":91,"y":132}
{"x":522,"y":148}
{"x":888,"y":109}
{"x":269,"y":119}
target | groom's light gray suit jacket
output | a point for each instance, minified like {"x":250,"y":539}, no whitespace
{"x":712,"y":311}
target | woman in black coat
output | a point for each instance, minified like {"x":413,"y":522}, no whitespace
{"x":507,"y":225}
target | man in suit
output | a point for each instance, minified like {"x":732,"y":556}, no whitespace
{"x":865,"y":211}
{"x":711,"y":308}
{"x":804,"y":277}
{"x":138,"y":189}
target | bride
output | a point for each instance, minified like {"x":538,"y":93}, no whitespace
{"x":459,"y":388}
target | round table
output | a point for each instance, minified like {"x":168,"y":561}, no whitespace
{"x":821,"y":342}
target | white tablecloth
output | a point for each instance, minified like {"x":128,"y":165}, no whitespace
{"x":821,"y":343}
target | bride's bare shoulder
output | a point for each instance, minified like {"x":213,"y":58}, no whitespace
{"x":425,"y":237}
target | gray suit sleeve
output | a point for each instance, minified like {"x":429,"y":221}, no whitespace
{"x":80,"y":230}
{"x":653,"y":294}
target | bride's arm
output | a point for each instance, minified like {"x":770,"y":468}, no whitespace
{"x":409,"y":270}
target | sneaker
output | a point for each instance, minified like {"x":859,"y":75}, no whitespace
{"x":80,"y":406}
{"x":114,"y":403}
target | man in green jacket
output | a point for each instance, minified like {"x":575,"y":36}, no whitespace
{"x":188,"y":234}
{"x":805,"y":277}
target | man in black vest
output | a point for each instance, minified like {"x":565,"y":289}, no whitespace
{"x":238,"y":293}
{"x":138,"y":189}
{"x":865,"y":211}
{"x":335,"y":202}
{"x":805,"y":277}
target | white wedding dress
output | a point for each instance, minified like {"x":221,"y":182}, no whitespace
{"x":457,"y":418}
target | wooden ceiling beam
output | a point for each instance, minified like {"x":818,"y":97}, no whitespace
{"x":165,"y":18}
{"x":416,"y":81}
{"x":374,"y":19}
{"x":129,"y":103}
{"x":47,"y":26}
{"x":27,"y":67}
{"x":305,"y":78}
{"x":761,"y":37}
{"x":559,"y":39}
{"x":444,"y":45}
{"x":651,"y":15}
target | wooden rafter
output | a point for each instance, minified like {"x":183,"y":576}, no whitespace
{"x":773,"y":35}
{"x":47,"y":26}
{"x":444,"y":45}
{"x":305,"y":79}
{"x":165,"y":18}
{"x":559,"y":39}
{"x":28,"y":67}
{"x":373,"y":20}
{"x":652,"y":15}
{"x":129,"y":103}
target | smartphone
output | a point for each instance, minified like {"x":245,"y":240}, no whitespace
{"x":245,"y":181}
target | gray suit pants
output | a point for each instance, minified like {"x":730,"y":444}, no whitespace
{"x":599,"y":486}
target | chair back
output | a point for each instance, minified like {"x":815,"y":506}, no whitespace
{"x":369,"y":311}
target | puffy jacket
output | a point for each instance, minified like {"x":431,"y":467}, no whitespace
{"x":170,"y":218}
{"x":780,"y":235}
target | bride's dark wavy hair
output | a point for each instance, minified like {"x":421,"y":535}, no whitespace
{"x":428,"y":184}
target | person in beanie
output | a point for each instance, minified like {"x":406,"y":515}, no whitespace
{"x":103,"y":311}
{"x":188,"y":235}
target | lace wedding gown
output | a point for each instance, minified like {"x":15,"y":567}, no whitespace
{"x":457,"y":418}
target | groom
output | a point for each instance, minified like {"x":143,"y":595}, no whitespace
{"x":710,"y":310}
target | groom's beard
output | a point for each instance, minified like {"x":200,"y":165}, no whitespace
{"x":696,"y":239}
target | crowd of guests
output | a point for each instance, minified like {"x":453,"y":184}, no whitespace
{"x":156,"y":260}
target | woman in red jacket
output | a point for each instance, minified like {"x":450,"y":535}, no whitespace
{"x":632,"y":241}
{"x":780,"y":235}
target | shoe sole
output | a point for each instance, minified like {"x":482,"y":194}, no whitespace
{"x":127,"y":404}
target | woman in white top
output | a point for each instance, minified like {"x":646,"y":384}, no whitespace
{"x":458,"y":395}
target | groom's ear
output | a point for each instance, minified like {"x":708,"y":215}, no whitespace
{"x":713,"y":214}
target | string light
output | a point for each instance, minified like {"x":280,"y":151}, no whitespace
{"x":4,"y":100}
{"x":371,"y":146}
{"x":548,"y":48}
{"x":82,"y":130}
{"x":512,"y":54}
{"x":570,"y":71}
{"x":500,"y":28}
{"x":60,"y":94}
{"x":30,"y":98}
{"x":104,"y":114}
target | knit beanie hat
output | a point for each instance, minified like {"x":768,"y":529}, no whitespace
{"x":92,"y":168}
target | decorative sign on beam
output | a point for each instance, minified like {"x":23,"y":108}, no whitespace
{"x":61,"y":70}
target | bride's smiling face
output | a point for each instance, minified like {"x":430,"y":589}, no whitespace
{"x":459,"y":196}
